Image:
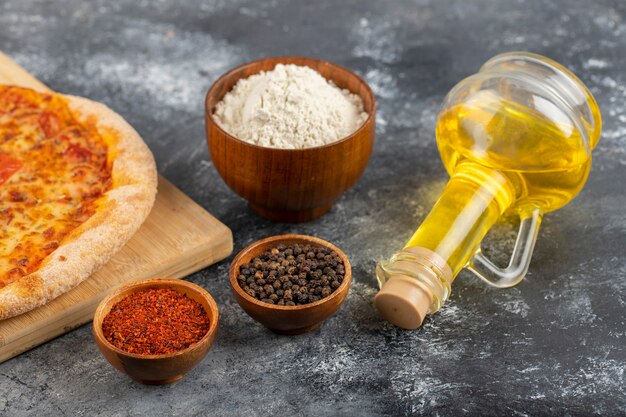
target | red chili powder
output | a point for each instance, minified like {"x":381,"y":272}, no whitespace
{"x":155,"y":321}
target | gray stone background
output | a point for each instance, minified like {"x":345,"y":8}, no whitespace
{"x":554,"y":345}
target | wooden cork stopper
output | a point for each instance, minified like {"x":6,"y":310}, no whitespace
{"x":404,"y":300}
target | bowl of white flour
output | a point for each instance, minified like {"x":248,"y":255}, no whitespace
{"x":291,"y":134}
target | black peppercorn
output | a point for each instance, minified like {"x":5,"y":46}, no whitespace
{"x":292,"y":275}
{"x":326,"y":291}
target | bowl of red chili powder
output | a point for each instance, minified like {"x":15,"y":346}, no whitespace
{"x":157,"y":330}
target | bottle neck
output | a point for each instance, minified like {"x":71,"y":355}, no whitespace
{"x":473,"y":200}
{"x":417,"y":279}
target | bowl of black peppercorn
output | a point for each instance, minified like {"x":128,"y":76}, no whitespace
{"x":290,"y":283}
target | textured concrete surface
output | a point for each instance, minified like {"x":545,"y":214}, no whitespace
{"x":554,"y":345}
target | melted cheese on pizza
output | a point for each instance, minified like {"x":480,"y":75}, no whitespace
{"x":53,"y":170}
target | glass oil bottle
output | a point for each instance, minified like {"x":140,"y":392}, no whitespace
{"x":516,"y":137}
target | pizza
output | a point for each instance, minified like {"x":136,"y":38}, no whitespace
{"x":76,"y":182}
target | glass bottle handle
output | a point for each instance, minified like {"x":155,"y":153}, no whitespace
{"x":520,"y":258}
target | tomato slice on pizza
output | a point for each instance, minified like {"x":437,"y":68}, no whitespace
{"x":8,"y":166}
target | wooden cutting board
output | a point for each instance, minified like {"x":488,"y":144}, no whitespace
{"x":178,"y":237}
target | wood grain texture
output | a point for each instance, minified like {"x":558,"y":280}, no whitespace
{"x":178,"y":238}
{"x":291,"y":185}
{"x":290,"y":320}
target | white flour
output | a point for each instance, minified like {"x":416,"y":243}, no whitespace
{"x":290,"y":107}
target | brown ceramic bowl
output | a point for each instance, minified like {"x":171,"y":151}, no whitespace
{"x":291,"y":185}
{"x":288,"y":319}
{"x":156,"y":369}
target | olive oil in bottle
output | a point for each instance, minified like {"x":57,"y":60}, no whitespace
{"x":515,"y":138}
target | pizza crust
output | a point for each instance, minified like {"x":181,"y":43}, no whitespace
{"x":120,"y":213}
